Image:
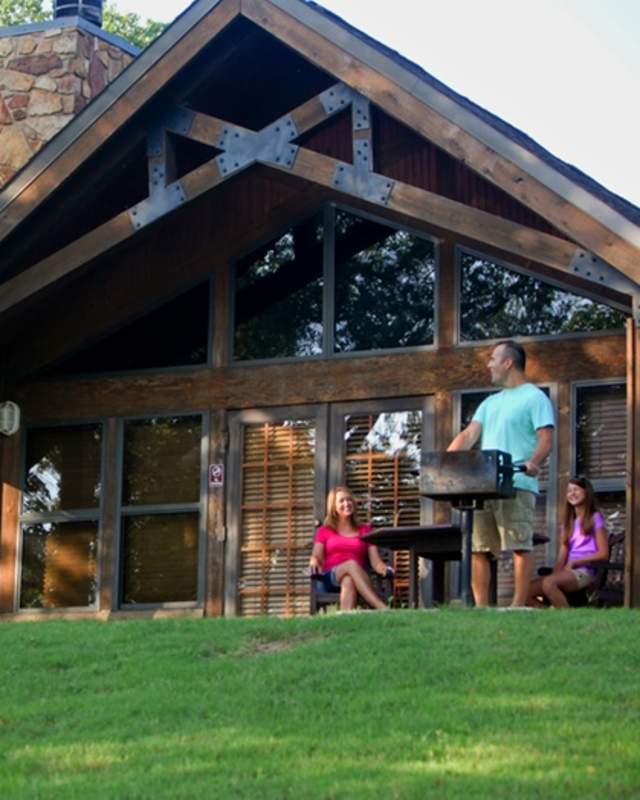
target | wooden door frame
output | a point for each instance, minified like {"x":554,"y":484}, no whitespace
{"x":238,"y":420}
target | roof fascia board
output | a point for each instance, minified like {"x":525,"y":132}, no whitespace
{"x":448,"y":108}
{"x":111,"y":94}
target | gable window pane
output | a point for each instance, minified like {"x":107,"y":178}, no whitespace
{"x":278,"y":296}
{"x":63,"y":468}
{"x":500,"y":303}
{"x":162,"y":461}
{"x":384,"y":286}
{"x":172,"y":335}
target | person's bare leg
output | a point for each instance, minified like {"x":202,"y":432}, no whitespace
{"x":535,"y":592}
{"x":522,"y":569}
{"x":348,"y":594}
{"x":361,"y":581}
{"x":556,"y":585}
{"x":480,"y":578}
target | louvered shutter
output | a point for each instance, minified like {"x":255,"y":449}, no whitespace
{"x":277,"y":517}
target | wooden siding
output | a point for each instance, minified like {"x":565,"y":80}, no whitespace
{"x":312,"y":381}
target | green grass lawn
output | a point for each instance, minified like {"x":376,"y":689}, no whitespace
{"x":448,"y":704}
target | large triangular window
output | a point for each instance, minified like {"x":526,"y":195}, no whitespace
{"x":174,"y":335}
{"x":497,"y":302}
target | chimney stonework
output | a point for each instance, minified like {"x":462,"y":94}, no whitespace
{"x":46,"y":78}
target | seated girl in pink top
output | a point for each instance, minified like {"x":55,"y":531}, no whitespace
{"x":339,"y":555}
{"x":583,"y":539}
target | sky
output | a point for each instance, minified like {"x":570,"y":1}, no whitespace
{"x":566,"y":72}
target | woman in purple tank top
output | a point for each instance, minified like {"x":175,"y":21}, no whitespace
{"x":583,"y":539}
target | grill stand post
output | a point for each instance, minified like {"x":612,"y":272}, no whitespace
{"x":466,"y":507}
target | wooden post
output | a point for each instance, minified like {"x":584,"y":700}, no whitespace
{"x":632,"y":537}
{"x":216,"y":527}
{"x":563,"y":448}
{"x":9,"y":512}
{"x":107,"y":600}
{"x":446,"y":299}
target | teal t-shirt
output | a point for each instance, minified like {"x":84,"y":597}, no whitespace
{"x":509,"y":422}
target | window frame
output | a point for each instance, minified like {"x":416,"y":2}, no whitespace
{"x":556,"y":283}
{"x":238,"y":421}
{"x":328,"y":212}
{"x":122,"y":511}
{"x":91,"y":514}
{"x":600,"y":485}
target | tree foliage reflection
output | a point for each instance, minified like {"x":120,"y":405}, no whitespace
{"x":499,"y":303}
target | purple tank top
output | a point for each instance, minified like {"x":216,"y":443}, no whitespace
{"x":581,"y":546}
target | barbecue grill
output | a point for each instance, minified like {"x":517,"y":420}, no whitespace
{"x":466,"y":478}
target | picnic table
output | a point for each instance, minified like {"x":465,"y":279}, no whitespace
{"x":437,"y":543}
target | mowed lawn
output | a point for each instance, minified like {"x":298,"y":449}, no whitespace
{"x":446,"y":704}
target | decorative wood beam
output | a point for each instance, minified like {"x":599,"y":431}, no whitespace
{"x":451,"y":137}
{"x":418,"y":204}
{"x":312,"y":381}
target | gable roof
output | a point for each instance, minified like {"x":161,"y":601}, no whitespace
{"x":468,"y":131}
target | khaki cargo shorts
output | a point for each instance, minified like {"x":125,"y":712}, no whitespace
{"x":504,"y":524}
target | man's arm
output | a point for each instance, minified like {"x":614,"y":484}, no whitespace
{"x":467,"y":438}
{"x":541,"y":453}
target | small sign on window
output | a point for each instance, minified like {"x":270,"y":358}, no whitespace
{"x":216,"y":476}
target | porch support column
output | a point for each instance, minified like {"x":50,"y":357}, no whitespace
{"x":632,"y":537}
{"x":9,"y":510}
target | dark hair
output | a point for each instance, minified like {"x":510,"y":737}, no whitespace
{"x":590,"y":509}
{"x":515,"y":352}
{"x":331,"y":519}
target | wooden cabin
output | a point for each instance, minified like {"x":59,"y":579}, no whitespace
{"x":273,"y":255}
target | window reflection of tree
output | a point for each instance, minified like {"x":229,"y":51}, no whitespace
{"x":162,"y":460}
{"x":382,"y":458}
{"x":497,"y":302}
{"x":278,"y":304}
{"x":62,"y":469}
{"x":385,"y":281}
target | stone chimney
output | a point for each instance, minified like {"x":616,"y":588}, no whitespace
{"x":49,"y":71}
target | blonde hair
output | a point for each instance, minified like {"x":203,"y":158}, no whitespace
{"x":331,"y":518}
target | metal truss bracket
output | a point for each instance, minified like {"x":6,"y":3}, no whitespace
{"x":361,"y":112}
{"x":157,"y":177}
{"x":361,"y":182}
{"x":336,"y":98}
{"x":176,"y":120}
{"x":592,"y":268}
{"x":157,"y":205}
{"x":272,"y":145}
{"x":362,"y":159}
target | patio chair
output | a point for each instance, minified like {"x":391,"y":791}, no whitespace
{"x":607,"y":588}
{"x":320,"y":599}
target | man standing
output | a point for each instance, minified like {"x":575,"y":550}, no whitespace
{"x":518,"y":420}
